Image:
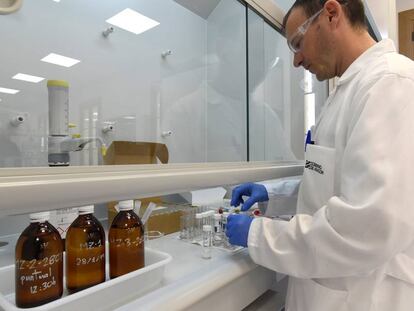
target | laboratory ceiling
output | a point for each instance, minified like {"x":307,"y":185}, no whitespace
{"x":202,"y":8}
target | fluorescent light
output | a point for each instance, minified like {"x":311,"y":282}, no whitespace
{"x":8,"y":91}
{"x":132,"y":21}
{"x":60,"y":60}
{"x":129,"y":117}
{"x":28,"y":78}
{"x":56,"y":0}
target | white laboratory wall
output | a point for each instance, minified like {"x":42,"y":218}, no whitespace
{"x":226,"y":83}
{"x":121,"y":79}
{"x":384,"y":17}
{"x":404,"y":5}
{"x":284,"y":4}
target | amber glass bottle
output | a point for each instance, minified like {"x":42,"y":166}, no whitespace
{"x":39,"y":263}
{"x":126,"y":241}
{"x":85,"y":251}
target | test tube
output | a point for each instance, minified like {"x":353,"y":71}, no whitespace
{"x":207,"y":241}
{"x":223,"y":226}
{"x":198,"y":226}
{"x":218,"y":238}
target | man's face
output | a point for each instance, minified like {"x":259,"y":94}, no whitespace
{"x":314,"y":51}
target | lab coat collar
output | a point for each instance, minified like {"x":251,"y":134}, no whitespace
{"x":375,"y":51}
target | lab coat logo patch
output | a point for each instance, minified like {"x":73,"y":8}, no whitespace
{"x":314,"y":167}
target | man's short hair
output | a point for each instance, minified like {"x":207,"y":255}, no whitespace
{"x":354,"y":10}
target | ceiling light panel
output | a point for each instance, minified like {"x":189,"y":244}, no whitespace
{"x":8,"y":91}
{"x":28,"y":78}
{"x":60,"y":60}
{"x":132,"y":21}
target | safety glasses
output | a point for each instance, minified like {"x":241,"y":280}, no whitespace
{"x":295,"y":42}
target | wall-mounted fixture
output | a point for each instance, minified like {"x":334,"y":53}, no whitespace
{"x":107,"y":31}
{"x":107,"y":128}
{"x":166,"y":134}
{"x":166,"y":53}
{"x":10,"y":6}
{"x":17,"y":120}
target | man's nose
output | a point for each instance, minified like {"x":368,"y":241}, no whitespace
{"x":297,"y":59}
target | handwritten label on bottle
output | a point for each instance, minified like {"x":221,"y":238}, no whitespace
{"x":38,"y":274}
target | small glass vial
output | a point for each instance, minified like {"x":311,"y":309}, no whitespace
{"x":223,"y":228}
{"x":39,"y":263}
{"x":198,"y":227}
{"x":207,"y":241}
{"x":218,"y":233}
{"x":126,"y":241}
{"x":85,"y":251}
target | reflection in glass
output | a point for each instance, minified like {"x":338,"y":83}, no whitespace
{"x":283,"y":101}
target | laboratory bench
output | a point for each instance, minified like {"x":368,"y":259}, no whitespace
{"x":230,"y":280}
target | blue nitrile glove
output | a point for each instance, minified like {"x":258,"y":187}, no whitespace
{"x":256,"y":192}
{"x":237,"y":230}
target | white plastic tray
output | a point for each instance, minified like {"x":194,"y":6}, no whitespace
{"x":104,"y":296}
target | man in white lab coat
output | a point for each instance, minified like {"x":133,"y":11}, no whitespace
{"x":350,"y":246}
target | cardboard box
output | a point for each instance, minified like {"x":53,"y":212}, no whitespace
{"x":135,"y":152}
{"x":131,"y":152}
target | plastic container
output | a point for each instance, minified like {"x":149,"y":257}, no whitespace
{"x":105,"y":296}
{"x":39,"y":263}
{"x":126,"y":241}
{"x":85,"y":251}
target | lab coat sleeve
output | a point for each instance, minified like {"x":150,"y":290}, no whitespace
{"x":372,"y":217}
{"x":283,"y":194}
{"x":285,"y":187}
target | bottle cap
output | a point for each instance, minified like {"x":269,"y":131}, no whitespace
{"x":126,"y":205}
{"x":207,"y":228}
{"x":59,"y":83}
{"x":88,"y":209}
{"x":39,"y":217}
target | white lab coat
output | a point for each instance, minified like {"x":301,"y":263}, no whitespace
{"x":351,"y":245}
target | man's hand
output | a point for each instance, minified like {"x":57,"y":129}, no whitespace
{"x":256,"y":192}
{"x":237,"y":229}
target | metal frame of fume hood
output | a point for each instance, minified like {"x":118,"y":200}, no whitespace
{"x":269,"y":11}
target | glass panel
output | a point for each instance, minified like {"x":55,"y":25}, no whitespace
{"x":282,"y":98}
{"x":226,"y":83}
{"x":181,"y":83}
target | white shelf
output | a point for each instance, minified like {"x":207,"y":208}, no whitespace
{"x":25,"y":190}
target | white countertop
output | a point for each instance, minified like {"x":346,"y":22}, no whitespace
{"x":228,"y":281}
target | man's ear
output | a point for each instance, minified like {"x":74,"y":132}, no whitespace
{"x":334,"y":11}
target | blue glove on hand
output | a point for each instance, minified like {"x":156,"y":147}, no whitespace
{"x":237,"y":229}
{"x":256,"y":192}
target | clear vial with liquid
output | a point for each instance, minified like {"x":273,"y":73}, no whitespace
{"x":39,"y":263}
{"x":85,"y":251}
{"x":126,"y":241}
{"x":207,"y":241}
